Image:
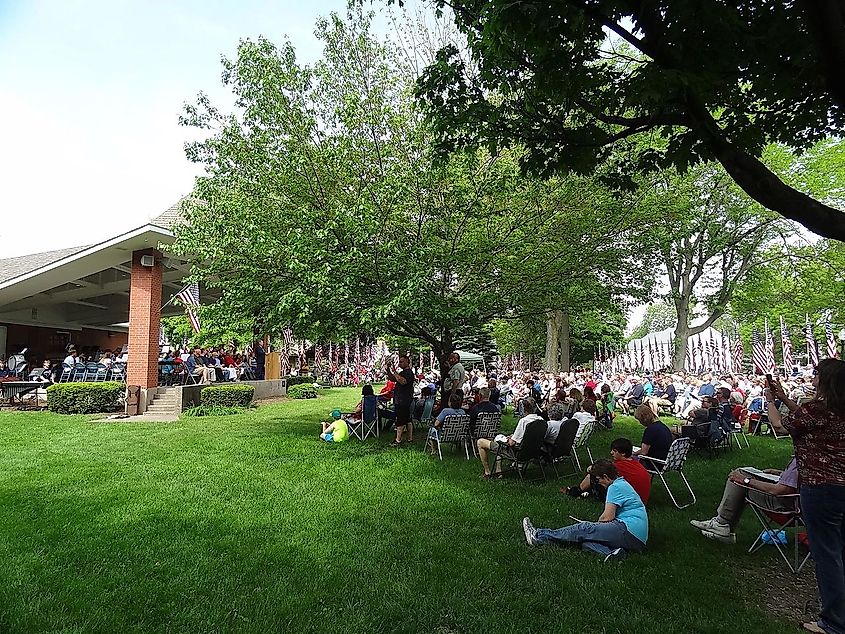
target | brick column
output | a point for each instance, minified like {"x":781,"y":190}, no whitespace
{"x":144,"y":320}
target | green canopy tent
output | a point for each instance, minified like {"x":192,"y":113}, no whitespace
{"x":472,"y":359}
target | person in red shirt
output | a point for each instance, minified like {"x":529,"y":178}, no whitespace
{"x":634,"y":473}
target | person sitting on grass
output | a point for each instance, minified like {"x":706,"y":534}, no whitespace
{"x":722,"y":526}
{"x":627,"y":467}
{"x":487,"y":446}
{"x":621,"y":528}
{"x":336,"y":431}
{"x":656,"y":441}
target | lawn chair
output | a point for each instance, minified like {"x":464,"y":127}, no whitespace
{"x":367,"y":425}
{"x":455,"y":430}
{"x":425,"y":418}
{"x":487,"y":425}
{"x":675,"y":459}
{"x":738,"y":435}
{"x":776,"y":521}
{"x":529,"y":450}
{"x":582,"y":437}
{"x":562,"y":447}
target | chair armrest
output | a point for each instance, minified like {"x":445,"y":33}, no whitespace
{"x":653,"y":459}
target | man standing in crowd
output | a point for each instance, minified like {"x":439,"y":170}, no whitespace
{"x":453,"y":383}
{"x":403,"y":398}
{"x":260,"y":355}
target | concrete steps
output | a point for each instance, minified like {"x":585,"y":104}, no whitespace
{"x":164,"y":403}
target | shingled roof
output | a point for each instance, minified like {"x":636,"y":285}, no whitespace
{"x":171,"y":217}
{"x":11,"y":268}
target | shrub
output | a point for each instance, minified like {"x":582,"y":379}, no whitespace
{"x":84,"y":398}
{"x":233,"y":395}
{"x":212,"y":410}
{"x":302,"y":391}
{"x":300,"y":380}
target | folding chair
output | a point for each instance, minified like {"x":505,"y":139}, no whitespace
{"x":66,"y":375}
{"x":80,"y":372}
{"x":366,"y":426}
{"x":582,"y":437}
{"x":487,"y":425}
{"x":738,"y":432}
{"x":455,"y":430}
{"x":424,"y":421}
{"x":117,"y":372}
{"x":562,"y":448}
{"x":678,"y":452}
{"x":775,"y":521}
{"x":529,"y":450}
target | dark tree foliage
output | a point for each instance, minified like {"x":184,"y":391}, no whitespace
{"x":706,"y":80}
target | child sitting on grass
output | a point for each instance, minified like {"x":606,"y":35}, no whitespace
{"x":336,"y":431}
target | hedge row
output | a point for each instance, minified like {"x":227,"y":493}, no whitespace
{"x":84,"y":398}
{"x":230,"y":395}
{"x":299,"y":380}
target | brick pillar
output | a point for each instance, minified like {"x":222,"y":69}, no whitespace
{"x":144,"y":320}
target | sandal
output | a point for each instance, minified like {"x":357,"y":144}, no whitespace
{"x":395,"y":444}
{"x":812,"y":626}
{"x":486,"y":476}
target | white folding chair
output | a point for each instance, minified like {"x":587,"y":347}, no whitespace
{"x":675,"y":459}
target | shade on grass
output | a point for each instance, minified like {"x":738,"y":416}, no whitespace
{"x":249,"y":523}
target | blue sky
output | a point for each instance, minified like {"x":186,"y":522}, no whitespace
{"x":90,"y":93}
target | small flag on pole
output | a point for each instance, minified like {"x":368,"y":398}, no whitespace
{"x":787,"y":347}
{"x":771,"y":366}
{"x":190,"y":296}
{"x":831,"y":342}
{"x":758,"y":353}
{"x":812,"y":349}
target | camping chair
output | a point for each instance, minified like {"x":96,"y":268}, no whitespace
{"x":738,"y":432}
{"x":487,"y":425}
{"x":455,"y":430}
{"x":678,"y":452}
{"x":424,"y":421}
{"x":367,"y":425}
{"x":562,"y":447}
{"x":776,"y":521}
{"x":582,"y":437}
{"x":529,"y":450}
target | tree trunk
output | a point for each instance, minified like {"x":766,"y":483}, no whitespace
{"x":442,"y":350}
{"x":564,"y":338}
{"x":679,"y":355}
{"x":552,"y":360}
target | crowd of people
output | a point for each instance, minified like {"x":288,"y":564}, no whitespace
{"x":810,"y":408}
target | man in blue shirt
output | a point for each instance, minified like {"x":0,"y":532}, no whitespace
{"x":622,"y":527}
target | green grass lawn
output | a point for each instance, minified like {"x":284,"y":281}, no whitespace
{"x":249,"y":523}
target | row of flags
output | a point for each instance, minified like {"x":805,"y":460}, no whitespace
{"x":722,"y":353}
{"x":764,"y":349}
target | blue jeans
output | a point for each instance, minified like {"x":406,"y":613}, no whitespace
{"x":823,"y":510}
{"x":598,"y":537}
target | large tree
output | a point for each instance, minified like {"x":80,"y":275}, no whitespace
{"x":324,"y":208}
{"x":714,"y":80}
{"x":708,"y":235}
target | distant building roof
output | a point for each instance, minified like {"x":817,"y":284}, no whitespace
{"x":11,"y":268}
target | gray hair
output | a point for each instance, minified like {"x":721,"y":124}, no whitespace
{"x":529,"y":405}
{"x":556,"y":411}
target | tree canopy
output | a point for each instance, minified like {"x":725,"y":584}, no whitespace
{"x":324,"y":208}
{"x":571,"y":81}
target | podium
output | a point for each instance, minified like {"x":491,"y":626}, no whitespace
{"x":272,"y":366}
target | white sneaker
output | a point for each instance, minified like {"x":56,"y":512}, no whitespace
{"x":712,"y":524}
{"x":530,"y":531}
{"x":725,"y":536}
{"x":617,"y":554}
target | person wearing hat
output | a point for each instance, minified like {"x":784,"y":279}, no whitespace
{"x":336,"y":431}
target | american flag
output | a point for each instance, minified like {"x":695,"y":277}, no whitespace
{"x":318,"y":356}
{"x":713,"y":352}
{"x":771,"y":366}
{"x":739,"y":353}
{"x":190,"y":296}
{"x":787,"y":347}
{"x":358,"y":350}
{"x":831,"y":342}
{"x":346,"y":354}
{"x":162,"y":340}
{"x":431,"y":358}
{"x":699,"y":348}
{"x":688,"y":362}
{"x":812,"y":349}
{"x":758,"y":353}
